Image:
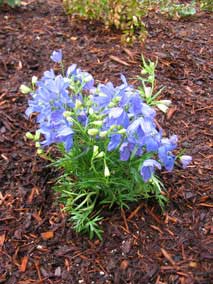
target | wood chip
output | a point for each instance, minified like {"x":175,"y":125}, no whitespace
{"x":2,"y":239}
{"x":37,"y":217}
{"x":193,"y":264}
{"x":23,"y":265}
{"x":117,"y":59}
{"x":171,"y":112}
{"x":206,"y":205}
{"x":135,"y":212}
{"x":34,"y":191}
{"x":124,"y":264}
{"x":124,"y":218}
{"x":129,"y":53}
{"x":156,"y":229}
{"x":168,"y":257}
{"x":47,"y":235}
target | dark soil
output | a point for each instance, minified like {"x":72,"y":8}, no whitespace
{"x":140,"y":245}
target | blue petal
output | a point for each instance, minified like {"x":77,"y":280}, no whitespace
{"x":115,"y":141}
{"x":56,"y":56}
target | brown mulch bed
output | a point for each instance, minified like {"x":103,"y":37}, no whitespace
{"x":140,"y":245}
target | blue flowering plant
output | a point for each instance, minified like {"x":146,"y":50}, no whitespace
{"x":109,"y":147}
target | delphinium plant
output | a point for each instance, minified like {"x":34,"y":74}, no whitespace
{"x":111,"y":150}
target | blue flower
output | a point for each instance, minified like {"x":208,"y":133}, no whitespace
{"x":165,"y":152}
{"x":86,"y":80}
{"x":166,"y":157}
{"x":58,"y":85}
{"x":71,"y":70}
{"x":125,"y":151}
{"x":171,"y":142}
{"x":135,"y":134}
{"x":152,"y":142}
{"x":142,"y":132}
{"x":83,"y":118}
{"x":148,"y":111}
{"x":56,"y":56}
{"x":117,"y":116}
{"x":148,"y":168}
{"x":115,"y":140}
{"x":132,"y":101}
{"x":48,"y":75}
{"x":57,"y":130}
{"x":185,"y":160}
{"x":104,"y":95}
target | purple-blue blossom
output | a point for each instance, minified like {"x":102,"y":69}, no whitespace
{"x":56,"y":56}
{"x":185,"y":161}
{"x":165,"y":154}
{"x":126,"y":150}
{"x":115,"y":140}
{"x":148,"y":168}
{"x":57,"y":130}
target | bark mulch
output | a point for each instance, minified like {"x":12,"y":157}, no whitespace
{"x":140,"y":245}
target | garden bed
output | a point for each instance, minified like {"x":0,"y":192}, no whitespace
{"x":141,"y":244}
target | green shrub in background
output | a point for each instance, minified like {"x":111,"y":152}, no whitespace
{"x":11,"y":3}
{"x":94,"y":9}
{"x":173,"y":9}
{"x":206,"y":5}
{"x":125,"y":15}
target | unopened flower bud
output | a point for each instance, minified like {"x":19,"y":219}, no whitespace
{"x":111,"y":104}
{"x":150,"y":78}
{"x":106,"y":171}
{"x":117,"y":99}
{"x":37,"y":135}
{"x":92,"y":131}
{"x":29,"y":135}
{"x":95,"y":150}
{"x":78,"y":104}
{"x":163,"y":105}
{"x":91,"y":111}
{"x":148,"y":92}
{"x":34,"y":80}
{"x":100,"y":155}
{"x":67,"y":114}
{"x":98,"y":122}
{"x":39,"y":151}
{"x":24,"y":89}
{"x":103,"y":134}
{"x":143,"y":72}
{"x":37,"y":144}
{"x":122,"y":131}
{"x":112,"y":127}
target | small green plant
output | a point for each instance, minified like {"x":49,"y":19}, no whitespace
{"x":147,"y":87}
{"x":11,"y":3}
{"x":108,"y":144}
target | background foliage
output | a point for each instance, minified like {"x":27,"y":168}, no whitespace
{"x":122,"y":14}
{"x":127,"y":15}
{"x":11,"y":3}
